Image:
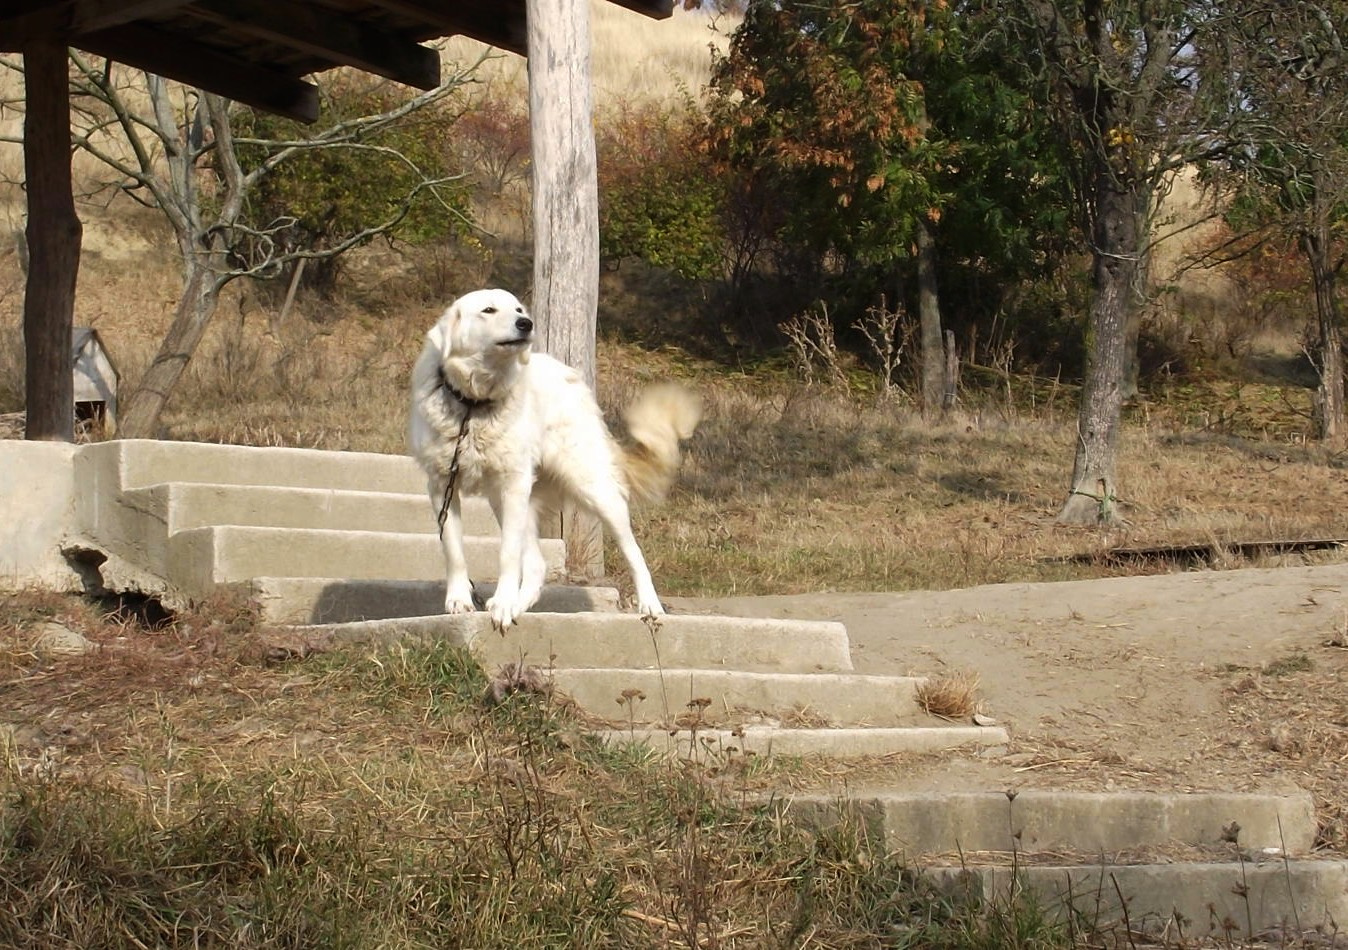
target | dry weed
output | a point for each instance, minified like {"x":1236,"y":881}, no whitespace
{"x":951,"y":695}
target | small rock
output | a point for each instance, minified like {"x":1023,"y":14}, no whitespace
{"x":54,"y":639}
{"x":982,"y":720}
{"x":1282,"y":739}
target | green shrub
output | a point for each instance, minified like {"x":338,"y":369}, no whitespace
{"x":657,"y":200}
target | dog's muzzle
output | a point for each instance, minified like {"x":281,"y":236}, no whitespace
{"x":525,"y":327}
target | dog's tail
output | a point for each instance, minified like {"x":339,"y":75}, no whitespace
{"x":661,"y":417}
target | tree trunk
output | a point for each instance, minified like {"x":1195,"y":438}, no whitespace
{"x":951,"y":378}
{"x":1316,"y":244}
{"x":566,"y":215}
{"x":1093,"y":497}
{"x":201,"y":294}
{"x":205,"y":267}
{"x":1329,"y":416}
{"x":54,"y":233}
{"x":1132,"y":365}
{"x":929,"y":320}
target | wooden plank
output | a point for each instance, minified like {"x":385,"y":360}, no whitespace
{"x":655,"y":9}
{"x":303,"y":27}
{"x":195,"y":65}
{"x":34,"y":21}
{"x":53,"y":233}
{"x":499,"y":24}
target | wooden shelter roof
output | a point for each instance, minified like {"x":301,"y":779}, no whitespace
{"x":258,"y":51}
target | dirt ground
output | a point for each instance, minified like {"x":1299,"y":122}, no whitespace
{"x":1200,"y":680}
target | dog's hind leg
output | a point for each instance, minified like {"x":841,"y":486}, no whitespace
{"x":458,"y":586}
{"x":613,"y":512}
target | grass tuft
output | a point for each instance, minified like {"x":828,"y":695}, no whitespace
{"x":950,"y":696}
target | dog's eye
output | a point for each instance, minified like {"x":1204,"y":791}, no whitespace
{"x":488,"y":309}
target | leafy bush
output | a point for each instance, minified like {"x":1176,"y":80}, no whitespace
{"x":657,"y":200}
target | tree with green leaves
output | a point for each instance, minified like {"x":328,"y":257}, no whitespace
{"x":1121,"y":78}
{"x":908,"y":150}
{"x":1285,"y":69}
{"x":814,"y":101}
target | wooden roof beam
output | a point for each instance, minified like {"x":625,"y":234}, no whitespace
{"x":336,"y":41}
{"x":31,"y":20}
{"x":200,"y":66}
{"x":502,"y":25}
{"x":655,"y":9}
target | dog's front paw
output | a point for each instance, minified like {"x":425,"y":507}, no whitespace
{"x":460,"y":600}
{"x":650,"y":608}
{"x":504,"y":611}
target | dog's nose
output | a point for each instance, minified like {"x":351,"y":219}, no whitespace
{"x":524,"y":325}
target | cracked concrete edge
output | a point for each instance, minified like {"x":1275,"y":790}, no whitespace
{"x":930,"y":823}
{"x":831,"y":743}
{"x":1289,"y":899}
{"x":625,"y":640}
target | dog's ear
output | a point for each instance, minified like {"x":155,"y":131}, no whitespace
{"x":441,"y":336}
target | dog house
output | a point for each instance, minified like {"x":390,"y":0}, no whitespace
{"x":96,"y":380}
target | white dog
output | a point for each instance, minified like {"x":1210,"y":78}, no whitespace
{"x":490,"y":418}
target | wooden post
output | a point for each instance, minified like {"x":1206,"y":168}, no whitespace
{"x":565,"y":180}
{"x":54,"y":234}
{"x":565,"y":214}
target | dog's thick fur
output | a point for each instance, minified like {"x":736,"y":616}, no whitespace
{"x":535,"y":438}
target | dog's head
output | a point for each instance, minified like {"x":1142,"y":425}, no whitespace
{"x":483,"y":338}
{"x":490,"y":324}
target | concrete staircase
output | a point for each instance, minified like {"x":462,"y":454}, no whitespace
{"x":342,"y":546}
{"x":689,"y":684}
{"x":312,"y":536}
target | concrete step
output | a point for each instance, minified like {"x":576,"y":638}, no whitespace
{"x":561,"y":641}
{"x":310,"y":600}
{"x":737,"y":698}
{"x":138,"y":463}
{"x":1190,"y":903}
{"x":832,"y":743}
{"x":181,"y":506}
{"x":201,"y":558}
{"x":920,"y":824}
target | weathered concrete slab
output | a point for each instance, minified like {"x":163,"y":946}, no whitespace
{"x":227,"y":554}
{"x":37,"y":514}
{"x":833,"y":743}
{"x":1229,"y":901}
{"x":310,"y":600}
{"x":559,"y":640}
{"x":140,"y":463}
{"x":926,"y":823}
{"x":814,"y":699}
{"x":181,"y":506}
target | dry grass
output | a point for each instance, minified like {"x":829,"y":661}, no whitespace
{"x":176,"y":789}
{"x":1289,"y":717}
{"x":951,"y":695}
{"x":180,"y":787}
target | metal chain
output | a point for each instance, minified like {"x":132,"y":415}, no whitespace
{"x":453,"y":472}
